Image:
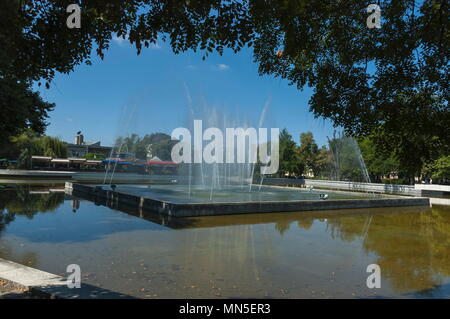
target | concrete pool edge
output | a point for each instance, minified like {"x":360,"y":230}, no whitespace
{"x":34,"y":280}
{"x":50,"y":286}
{"x":211,"y":209}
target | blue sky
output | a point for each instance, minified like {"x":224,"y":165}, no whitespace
{"x":126,"y":93}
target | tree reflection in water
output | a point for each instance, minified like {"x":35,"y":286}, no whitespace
{"x":19,"y":201}
{"x":413,"y":248}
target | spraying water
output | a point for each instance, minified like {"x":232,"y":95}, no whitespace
{"x":348,"y":163}
{"x":126,"y":118}
{"x":219,"y":176}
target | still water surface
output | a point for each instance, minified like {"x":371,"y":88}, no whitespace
{"x":283,"y":255}
{"x":181,"y":194}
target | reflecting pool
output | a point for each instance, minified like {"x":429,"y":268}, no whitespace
{"x":283,"y":255}
{"x":181,"y":194}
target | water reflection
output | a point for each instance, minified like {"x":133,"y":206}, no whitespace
{"x":27,"y":201}
{"x":411,"y":244}
{"x":75,"y":205}
{"x":284,"y":255}
{"x":413,"y":249}
{"x":21,"y":201}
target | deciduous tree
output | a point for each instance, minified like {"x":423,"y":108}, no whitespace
{"x":394,"y":78}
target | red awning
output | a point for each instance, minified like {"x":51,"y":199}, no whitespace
{"x":150,"y":162}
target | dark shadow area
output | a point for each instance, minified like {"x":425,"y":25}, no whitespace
{"x":21,"y":295}
{"x":435,"y":292}
{"x":86,"y":291}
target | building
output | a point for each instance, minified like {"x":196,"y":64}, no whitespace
{"x":46,"y":162}
{"x":80,"y":148}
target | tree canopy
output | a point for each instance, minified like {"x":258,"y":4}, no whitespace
{"x":378,"y":164}
{"x":23,"y":147}
{"x":156,"y":144}
{"x":289,"y":160}
{"x":21,"y":110}
{"x":314,"y":159}
{"x":439,"y":169}
{"x":392,"y":80}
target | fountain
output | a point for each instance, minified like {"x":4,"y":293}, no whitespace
{"x":226,"y":187}
{"x":217,"y":177}
{"x":348,"y":163}
{"x":214,"y":188}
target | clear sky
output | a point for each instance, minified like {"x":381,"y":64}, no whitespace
{"x":126,"y":93}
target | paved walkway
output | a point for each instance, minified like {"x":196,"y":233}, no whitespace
{"x":44,"y":284}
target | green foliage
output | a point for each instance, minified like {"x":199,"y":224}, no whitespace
{"x":25,"y":146}
{"x":398,"y":181}
{"x":346,"y":159}
{"x":289,"y":161}
{"x":95,"y":156}
{"x":126,"y":144}
{"x":26,"y":204}
{"x":32,"y":28}
{"x":296,"y":160}
{"x":50,"y":146}
{"x":308,"y":150}
{"x":315,"y":159}
{"x":157,"y":144}
{"x":21,"y":110}
{"x":322,"y":164}
{"x":394,"y":79}
{"x":413,"y":249}
{"x":24,"y":160}
{"x":411,"y":149}
{"x":439,"y":169}
{"x":383,"y":155}
{"x":20,"y":202}
{"x":378,"y":164}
